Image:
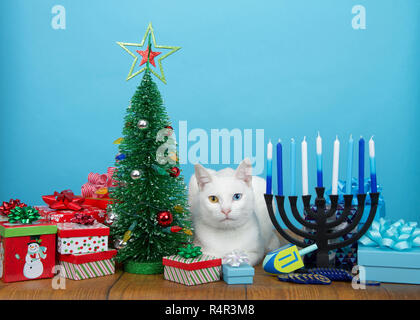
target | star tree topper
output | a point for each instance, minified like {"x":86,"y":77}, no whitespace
{"x":146,"y":55}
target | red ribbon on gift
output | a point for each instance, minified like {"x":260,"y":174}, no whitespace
{"x":64,"y":200}
{"x":7,"y":206}
{"x":98,"y":181}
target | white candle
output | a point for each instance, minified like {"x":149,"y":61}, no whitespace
{"x":371,"y":148}
{"x":335,"y":166}
{"x":304,"y":167}
{"x":318,"y":144}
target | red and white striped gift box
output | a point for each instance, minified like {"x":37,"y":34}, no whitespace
{"x":192,"y":271}
{"x":88,"y":265}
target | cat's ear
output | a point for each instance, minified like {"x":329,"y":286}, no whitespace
{"x":202,"y":176}
{"x":244,"y":171}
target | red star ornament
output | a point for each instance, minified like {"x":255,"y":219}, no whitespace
{"x":145,"y":54}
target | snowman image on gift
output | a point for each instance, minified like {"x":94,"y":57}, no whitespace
{"x":33,"y":267}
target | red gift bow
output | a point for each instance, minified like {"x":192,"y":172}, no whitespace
{"x":64,"y":200}
{"x":83,"y":218}
{"x":7,"y":206}
{"x":97,"y":181}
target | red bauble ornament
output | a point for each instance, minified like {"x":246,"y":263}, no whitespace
{"x":174,"y":172}
{"x":164,"y":218}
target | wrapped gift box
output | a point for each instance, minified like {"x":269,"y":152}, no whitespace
{"x":87,"y":265}
{"x":388,"y":265}
{"x":380,"y":211}
{"x":96,"y":190}
{"x":66,"y":215}
{"x":27,"y":251}
{"x":101,"y":203}
{"x":243,"y":274}
{"x":341,"y":190}
{"x":192,"y":271}
{"x":345,"y":257}
{"x":75,"y":238}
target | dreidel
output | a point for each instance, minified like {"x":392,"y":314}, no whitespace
{"x":286,"y":259}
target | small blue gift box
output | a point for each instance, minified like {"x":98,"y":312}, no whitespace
{"x":244,"y":274}
{"x":388,"y":265}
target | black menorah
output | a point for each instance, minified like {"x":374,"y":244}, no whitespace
{"x":322,"y":229}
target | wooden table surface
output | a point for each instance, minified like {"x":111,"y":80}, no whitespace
{"x":126,"y":286}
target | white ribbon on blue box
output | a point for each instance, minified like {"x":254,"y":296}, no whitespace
{"x":236,"y":269}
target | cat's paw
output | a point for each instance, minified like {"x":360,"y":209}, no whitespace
{"x":254,"y":257}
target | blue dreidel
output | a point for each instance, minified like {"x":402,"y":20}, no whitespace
{"x":286,"y":259}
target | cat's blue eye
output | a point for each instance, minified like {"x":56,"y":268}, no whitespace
{"x":237,"y":196}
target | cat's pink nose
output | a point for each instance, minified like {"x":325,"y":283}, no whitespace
{"x":226,"y":211}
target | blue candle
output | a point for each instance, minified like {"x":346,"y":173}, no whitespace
{"x":373,"y":183}
{"x":293,"y":167}
{"x":361,"y":165}
{"x":319,"y":161}
{"x":279,"y":168}
{"x":336,"y":162}
{"x":269,"y":167}
{"x":349,"y":165}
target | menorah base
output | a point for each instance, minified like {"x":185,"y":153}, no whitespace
{"x":322,"y":259}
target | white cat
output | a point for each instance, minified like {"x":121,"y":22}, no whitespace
{"x":229,"y":212}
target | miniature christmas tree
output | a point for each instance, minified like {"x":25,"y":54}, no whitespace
{"x":150,"y":200}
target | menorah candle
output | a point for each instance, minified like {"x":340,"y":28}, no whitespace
{"x":361,"y":165}
{"x":292,"y":167}
{"x":349,"y":165}
{"x":318,"y":161}
{"x":279,"y":168}
{"x":373,"y":184}
{"x":335,"y":166}
{"x":269,"y":167}
{"x":304,"y":167}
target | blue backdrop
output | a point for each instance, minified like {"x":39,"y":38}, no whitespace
{"x":288,"y":67}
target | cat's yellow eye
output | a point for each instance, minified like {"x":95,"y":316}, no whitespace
{"x":213,"y":199}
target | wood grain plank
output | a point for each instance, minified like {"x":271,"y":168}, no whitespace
{"x":268,"y":287}
{"x":402,"y":291}
{"x":90,"y":289}
{"x":153,"y":287}
{"x":126,"y":286}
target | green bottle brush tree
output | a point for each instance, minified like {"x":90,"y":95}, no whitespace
{"x":150,"y":199}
